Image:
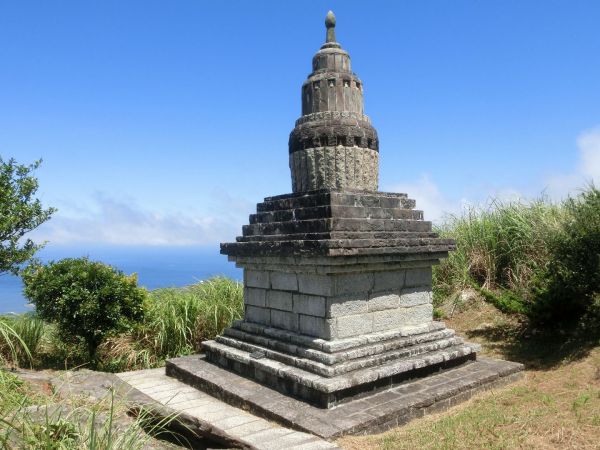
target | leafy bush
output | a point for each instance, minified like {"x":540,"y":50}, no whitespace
{"x":20,"y":212}
{"x":569,"y":285}
{"x":84,"y":298}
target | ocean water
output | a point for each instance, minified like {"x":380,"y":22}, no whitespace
{"x":156,"y":267}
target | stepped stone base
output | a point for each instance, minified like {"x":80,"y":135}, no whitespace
{"x":370,"y":414}
{"x":327,"y":373}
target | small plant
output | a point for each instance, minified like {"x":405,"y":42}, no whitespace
{"x":12,"y":346}
{"x":86,"y":299}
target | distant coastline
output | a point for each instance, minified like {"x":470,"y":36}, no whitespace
{"x":156,"y":267}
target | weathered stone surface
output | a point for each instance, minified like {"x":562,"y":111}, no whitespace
{"x":395,"y":318}
{"x":281,"y":300}
{"x":346,"y":305}
{"x":284,"y":319}
{"x":255,"y":297}
{"x":418,"y":277}
{"x":258,"y":315}
{"x":328,"y":386}
{"x":316,"y":284}
{"x":415,"y":296}
{"x":382,"y":302}
{"x":311,"y":305}
{"x":316,"y":326}
{"x":197,"y":414}
{"x":354,"y":325}
{"x":370,"y":414}
{"x":253,"y":278}
{"x":353,"y":283}
{"x":389,"y":280}
{"x":325,"y":167}
{"x":284,"y":281}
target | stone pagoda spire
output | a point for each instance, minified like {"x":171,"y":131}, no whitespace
{"x":333,"y":145}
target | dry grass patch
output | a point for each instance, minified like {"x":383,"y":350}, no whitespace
{"x":556,"y":405}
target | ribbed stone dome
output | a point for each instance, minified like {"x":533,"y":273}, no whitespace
{"x":333,"y":145}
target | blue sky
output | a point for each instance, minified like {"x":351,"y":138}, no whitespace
{"x":163,"y":123}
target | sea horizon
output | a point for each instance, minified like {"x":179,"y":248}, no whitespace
{"x":155,"y":266}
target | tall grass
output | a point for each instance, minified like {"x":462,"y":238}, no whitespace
{"x":538,"y":258}
{"x":20,"y":336}
{"x":500,"y":245}
{"x":176,"y":321}
{"x":180,"y":319}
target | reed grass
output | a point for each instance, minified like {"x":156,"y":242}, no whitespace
{"x":499,"y":246}
{"x":179,"y":319}
{"x":16,"y":336}
{"x":176,"y":321}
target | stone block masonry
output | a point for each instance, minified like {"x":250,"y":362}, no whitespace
{"x":338,"y":305}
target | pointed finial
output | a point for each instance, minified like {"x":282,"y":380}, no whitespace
{"x":330,"y":24}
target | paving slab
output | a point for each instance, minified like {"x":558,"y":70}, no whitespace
{"x":373,"y":413}
{"x":210,"y":417}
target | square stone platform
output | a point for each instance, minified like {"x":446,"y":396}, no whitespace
{"x":373,"y":413}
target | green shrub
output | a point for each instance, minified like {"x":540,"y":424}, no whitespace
{"x":569,"y":285}
{"x":85,"y":299}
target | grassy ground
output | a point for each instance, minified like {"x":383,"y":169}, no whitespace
{"x":556,"y":405}
{"x":36,"y":416}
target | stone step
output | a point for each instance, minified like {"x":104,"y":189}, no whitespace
{"x":336,"y":235}
{"x":328,"y":391}
{"x":436,"y":250}
{"x":337,"y":211}
{"x":341,"y":367}
{"x":337,"y":345}
{"x":216,"y":419}
{"x":322,"y":225}
{"x":329,"y":359}
{"x":331,"y":197}
{"x":372,"y":413}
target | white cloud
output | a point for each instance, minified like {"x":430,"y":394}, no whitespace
{"x":111,"y":221}
{"x":587,"y":170}
{"x":436,"y":205}
{"x":589,"y":148}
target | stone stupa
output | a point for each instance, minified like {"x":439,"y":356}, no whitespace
{"x":337,"y":275}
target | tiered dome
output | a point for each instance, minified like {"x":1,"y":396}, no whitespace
{"x":333,"y":145}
